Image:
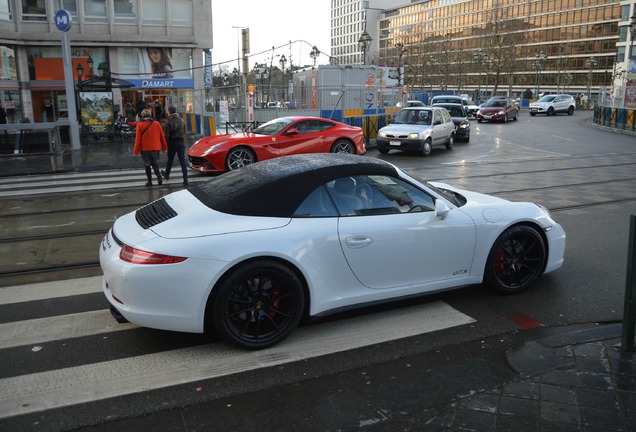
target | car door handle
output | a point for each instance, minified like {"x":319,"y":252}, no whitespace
{"x":358,"y":241}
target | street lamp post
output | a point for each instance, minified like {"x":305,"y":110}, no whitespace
{"x":592,"y":62}
{"x":363,"y":43}
{"x":631,"y":43}
{"x":315,"y":52}
{"x":538,"y":67}
{"x":282,"y":62}
{"x":401,"y":52}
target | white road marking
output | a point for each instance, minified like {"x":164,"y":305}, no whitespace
{"x":47,"y":290}
{"x":70,"y":386}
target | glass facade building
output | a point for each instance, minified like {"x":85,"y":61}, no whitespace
{"x":486,"y":47}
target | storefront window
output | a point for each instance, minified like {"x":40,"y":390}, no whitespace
{"x":7,"y":63}
{"x":34,"y":10}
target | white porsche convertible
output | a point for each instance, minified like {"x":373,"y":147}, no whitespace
{"x":253,"y":251}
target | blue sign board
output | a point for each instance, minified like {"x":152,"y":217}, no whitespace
{"x":162,"y":83}
{"x":63,"y":20}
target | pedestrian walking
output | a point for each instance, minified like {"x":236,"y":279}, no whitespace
{"x":174,"y":130}
{"x":150,"y":141}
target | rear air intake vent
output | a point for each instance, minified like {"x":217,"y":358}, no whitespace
{"x":154,"y":213}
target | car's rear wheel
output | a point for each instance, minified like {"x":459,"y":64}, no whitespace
{"x":343,"y":146}
{"x":570,"y":110}
{"x":516,"y":260}
{"x":258,"y":305}
{"x":451,"y":142}
{"x":239,"y":157}
{"x":427,"y":147}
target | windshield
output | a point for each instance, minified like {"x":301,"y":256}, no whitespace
{"x":451,"y":196}
{"x":549,"y":98}
{"x":495,"y":104}
{"x":272,"y":127}
{"x":454,"y":111}
{"x":420,"y":117}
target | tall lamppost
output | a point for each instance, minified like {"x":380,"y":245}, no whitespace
{"x":315,"y":52}
{"x":591,"y":62}
{"x":363,"y":43}
{"x":401,"y":51}
{"x":540,"y":59}
{"x":631,"y":43}
{"x":282,"y":62}
{"x":480,"y":60}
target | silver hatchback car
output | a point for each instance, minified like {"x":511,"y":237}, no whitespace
{"x":417,"y":129}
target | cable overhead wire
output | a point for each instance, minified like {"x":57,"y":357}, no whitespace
{"x":227,"y":61}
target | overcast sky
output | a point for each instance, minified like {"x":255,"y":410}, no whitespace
{"x":271,"y":23}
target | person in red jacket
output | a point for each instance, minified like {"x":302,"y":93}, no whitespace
{"x":150,"y":141}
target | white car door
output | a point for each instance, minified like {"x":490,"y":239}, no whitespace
{"x":398,"y":241}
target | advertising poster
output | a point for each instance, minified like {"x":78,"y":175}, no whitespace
{"x":96,"y":111}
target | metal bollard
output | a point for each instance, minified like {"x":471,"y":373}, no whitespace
{"x":629,"y":312}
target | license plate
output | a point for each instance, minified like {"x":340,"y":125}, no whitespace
{"x":395,"y":143}
{"x":487,"y":116}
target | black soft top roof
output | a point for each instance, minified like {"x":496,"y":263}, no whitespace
{"x":276,"y":187}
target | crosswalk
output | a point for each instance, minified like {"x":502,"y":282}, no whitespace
{"x":66,"y":383}
{"x":78,"y":182}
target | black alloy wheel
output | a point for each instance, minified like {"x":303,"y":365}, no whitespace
{"x":258,"y":305}
{"x":516,"y":260}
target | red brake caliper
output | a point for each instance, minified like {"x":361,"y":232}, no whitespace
{"x":275,"y":304}
{"x":499,"y":259}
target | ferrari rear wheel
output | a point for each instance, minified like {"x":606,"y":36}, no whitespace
{"x":258,"y":305}
{"x":343,"y":146}
{"x":516,"y":260}
{"x":239,"y":157}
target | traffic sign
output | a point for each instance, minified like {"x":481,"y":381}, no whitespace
{"x":63,"y":20}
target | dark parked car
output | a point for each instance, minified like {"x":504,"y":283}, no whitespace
{"x":460,"y":118}
{"x":497,"y":110}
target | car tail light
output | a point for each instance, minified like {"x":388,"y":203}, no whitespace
{"x":137,"y":256}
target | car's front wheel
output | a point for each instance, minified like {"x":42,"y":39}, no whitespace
{"x":516,"y":260}
{"x":239,"y":157}
{"x":550,"y":111}
{"x":343,"y":146}
{"x":258,"y":305}
{"x":427,"y":147}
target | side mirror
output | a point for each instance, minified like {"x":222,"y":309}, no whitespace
{"x":292,"y":131}
{"x":441,"y":209}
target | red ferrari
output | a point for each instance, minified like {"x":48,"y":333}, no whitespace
{"x":279,"y":137}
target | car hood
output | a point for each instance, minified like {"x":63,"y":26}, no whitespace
{"x":489,"y":110}
{"x":540,"y":104}
{"x":193,"y":219}
{"x":202,"y":146}
{"x":400,"y":128}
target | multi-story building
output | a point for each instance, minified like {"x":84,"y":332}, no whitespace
{"x":144,"y":50}
{"x":497,"y":46}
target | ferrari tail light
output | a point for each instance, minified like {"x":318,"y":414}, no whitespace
{"x":137,"y":256}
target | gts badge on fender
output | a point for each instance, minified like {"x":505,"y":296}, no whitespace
{"x":460,"y":272}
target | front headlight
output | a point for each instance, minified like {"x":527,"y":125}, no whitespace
{"x":502,"y":112}
{"x":464,"y":126}
{"x":414,"y":136}
{"x":214,"y":147}
{"x":382,"y":134}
